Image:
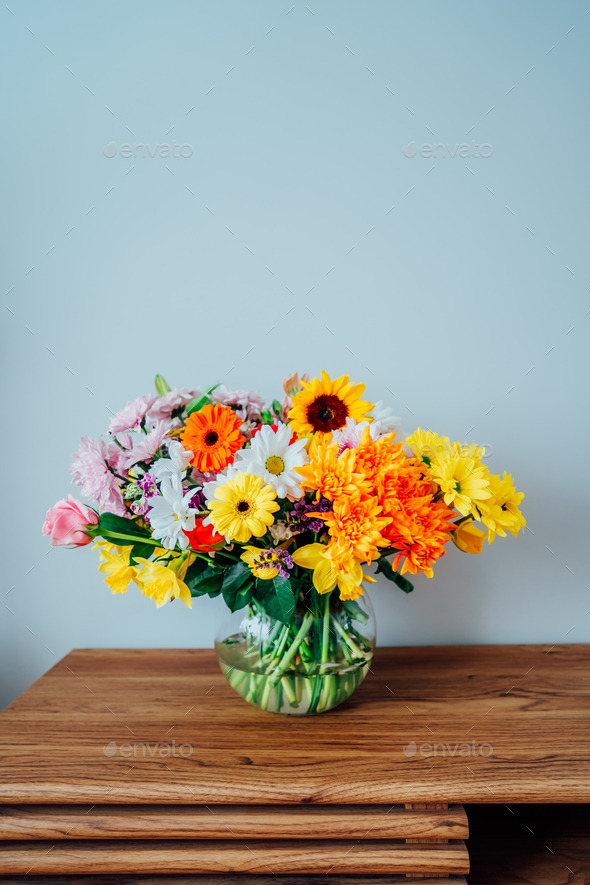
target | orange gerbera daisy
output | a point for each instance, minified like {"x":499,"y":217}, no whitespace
{"x":324,"y":405}
{"x":213,"y":435}
{"x":355,"y":527}
{"x":330,"y":475}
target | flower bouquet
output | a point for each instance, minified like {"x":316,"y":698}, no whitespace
{"x":278,"y":510}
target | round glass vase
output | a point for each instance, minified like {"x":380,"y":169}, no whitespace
{"x":307,"y":666}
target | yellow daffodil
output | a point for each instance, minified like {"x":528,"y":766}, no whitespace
{"x":468,"y":537}
{"x":161,"y":583}
{"x":324,"y":405}
{"x":348,"y":574}
{"x":462,"y":478}
{"x":244,"y":507}
{"x":115,"y":565}
{"x":500,"y":511}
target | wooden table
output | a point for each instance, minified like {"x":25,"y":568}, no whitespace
{"x":147,"y":762}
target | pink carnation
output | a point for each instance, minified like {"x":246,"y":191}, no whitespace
{"x":89,"y":470}
{"x":166,"y":404}
{"x":248,"y":400}
{"x":131,"y":416}
{"x":65,"y":523}
{"x":149,"y":445}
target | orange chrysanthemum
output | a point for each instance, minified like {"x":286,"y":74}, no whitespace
{"x":330,"y":475}
{"x":373,"y":457}
{"x":419,"y":526}
{"x":213,"y":435}
{"x":355,"y":527}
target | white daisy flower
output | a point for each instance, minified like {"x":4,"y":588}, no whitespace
{"x":170,"y":513}
{"x":271,"y":457}
{"x":385,"y":420}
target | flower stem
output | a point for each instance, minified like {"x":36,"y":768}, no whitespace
{"x":350,"y":642}
{"x":290,"y":654}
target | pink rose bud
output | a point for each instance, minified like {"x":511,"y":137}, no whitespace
{"x":66,"y":523}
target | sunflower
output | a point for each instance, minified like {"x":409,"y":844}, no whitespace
{"x":213,"y":436}
{"x":243,"y":507}
{"x":323,"y":406}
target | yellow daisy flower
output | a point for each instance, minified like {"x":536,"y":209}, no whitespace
{"x":161,"y":583}
{"x":243,"y":508}
{"x":324,"y":405}
{"x":428,"y":445}
{"x":462,"y":478}
{"x":500,"y":512}
{"x":115,"y":565}
{"x":348,"y":574}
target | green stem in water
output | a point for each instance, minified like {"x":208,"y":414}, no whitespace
{"x":289,"y":655}
{"x":350,"y":642}
{"x":326,"y":629}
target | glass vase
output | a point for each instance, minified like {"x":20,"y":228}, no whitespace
{"x":306,"y":666}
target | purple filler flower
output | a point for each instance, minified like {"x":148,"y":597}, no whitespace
{"x":275,"y":559}
{"x":300,"y":522}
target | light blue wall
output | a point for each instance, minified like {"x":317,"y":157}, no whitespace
{"x":298,"y":119}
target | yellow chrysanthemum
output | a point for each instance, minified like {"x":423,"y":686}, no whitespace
{"x":251,"y":556}
{"x":428,"y":445}
{"x":468,"y":537}
{"x":348,"y":573}
{"x":462,"y":478}
{"x":161,"y":583}
{"x":115,"y":565}
{"x":244,"y":507}
{"x":324,"y":405}
{"x":500,"y":512}
{"x":330,"y":475}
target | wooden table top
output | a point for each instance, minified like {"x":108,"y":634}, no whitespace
{"x":510,"y":724}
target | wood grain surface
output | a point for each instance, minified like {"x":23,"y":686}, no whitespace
{"x":526,"y":707}
{"x":230,"y":821}
{"x":303,"y":857}
{"x":220,"y":879}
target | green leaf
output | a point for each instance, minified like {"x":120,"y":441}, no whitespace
{"x":276,"y":597}
{"x":201,"y":579}
{"x":212,"y":388}
{"x":241,"y":597}
{"x":426,"y":460}
{"x":384,"y":568}
{"x":162,"y":385}
{"x":196,"y":405}
{"x":238,"y":586}
{"x":277,"y":408}
{"x":143,"y":550}
{"x":266,"y":416}
{"x":109,"y":522}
